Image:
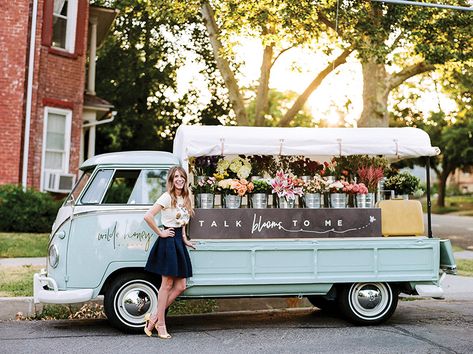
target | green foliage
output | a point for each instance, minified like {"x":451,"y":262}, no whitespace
{"x":184,"y":307}
{"x":26,"y":211}
{"x":402,"y":183}
{"x":137,"y":71}
{"x":261,"y":186}
{"x":279,"y":103}
{"x":23,"y":245}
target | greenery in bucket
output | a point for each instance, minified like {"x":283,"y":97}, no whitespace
{"x":402,"y":183}
{"x":261,"y":186}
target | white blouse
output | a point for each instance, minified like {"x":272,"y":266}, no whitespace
{"x":173,"y":217}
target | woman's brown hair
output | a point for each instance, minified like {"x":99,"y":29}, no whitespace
{"x":185,"y":190}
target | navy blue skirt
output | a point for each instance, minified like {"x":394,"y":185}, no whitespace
{"x":169,"y":256}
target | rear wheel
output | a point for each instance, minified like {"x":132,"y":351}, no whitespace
{"x":368,"y":303}
{"x":128,"y":298}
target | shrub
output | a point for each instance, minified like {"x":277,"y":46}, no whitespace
{"x":26,"y":211}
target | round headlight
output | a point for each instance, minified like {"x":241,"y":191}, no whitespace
{"x":53,"y":256}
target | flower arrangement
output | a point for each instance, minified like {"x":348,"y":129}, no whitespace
{"x":235,"y":186}
{"x":370,"y":176}
{"x":402,"y":183}
{"x":204,"y":165}
{"x":338,"y":187}
{"x":315,"y":185}
{"x":205,"y":185}
{"x":355,"y":188}
{"x":238,"y":167}
{"x":336,"y":169}
{"x":286,"y":186}
{"x":261,"y":186}
{"x":301,"y":166}
{"x":262,"y":164}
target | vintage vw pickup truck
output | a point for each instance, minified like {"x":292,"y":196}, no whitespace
{"x":355,"y":260}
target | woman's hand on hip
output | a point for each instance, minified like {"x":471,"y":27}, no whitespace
{"x":189,"y":243}
{"x":167,"y":233}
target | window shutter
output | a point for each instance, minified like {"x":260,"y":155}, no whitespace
{"x":47,"y":32}
{"x":81,"y":26}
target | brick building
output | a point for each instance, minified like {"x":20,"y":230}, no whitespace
{"x":43,"y":117}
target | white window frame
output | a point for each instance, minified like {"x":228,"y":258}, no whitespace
{"x":71,"y":25}
{"x":67,"y":141}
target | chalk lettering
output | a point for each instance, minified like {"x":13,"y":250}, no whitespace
{"x":259,"y":225}
{"x":201,"y":222}
{"x":340,"y":223}
{"x":306,"y":223}
{"x":294,"y":222}
{"x":214,"y":224}
{"x":328,"y":222}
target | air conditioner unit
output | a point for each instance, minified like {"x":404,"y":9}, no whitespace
{"x":59,"y":182}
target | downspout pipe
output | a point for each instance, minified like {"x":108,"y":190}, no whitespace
{"x":29,"y":96}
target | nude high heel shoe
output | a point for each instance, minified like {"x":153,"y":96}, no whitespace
{"x":162,"y":329}
{"x":147,"y":319}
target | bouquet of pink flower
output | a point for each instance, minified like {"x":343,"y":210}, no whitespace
{"x":205,"y":185}
{"x":286,"y":186}
{"x":235,"y":186}
{"x":370,"y":176}
{"x":355,"y":188}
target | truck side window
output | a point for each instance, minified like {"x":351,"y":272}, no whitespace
{"x":94,"y":192}
{"x":121,"y":187}
{"x":149,"y":187}
{"x":136,"y":187}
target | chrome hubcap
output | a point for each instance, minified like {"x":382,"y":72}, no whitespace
{"x":370,"y":300}
{"x":134,"y":300}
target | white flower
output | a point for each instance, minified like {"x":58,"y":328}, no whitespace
{"x":244,"y":171}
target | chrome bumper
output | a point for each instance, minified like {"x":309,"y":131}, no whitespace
{"x":55,"y":296}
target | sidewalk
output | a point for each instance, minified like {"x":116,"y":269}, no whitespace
{"x":456,"y":288}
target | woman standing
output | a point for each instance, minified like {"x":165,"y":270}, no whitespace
{"x":169,"y":257}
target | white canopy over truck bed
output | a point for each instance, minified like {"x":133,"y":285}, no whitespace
{"x":393,"y":143}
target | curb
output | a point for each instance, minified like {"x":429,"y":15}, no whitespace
{"x":12,"y":308}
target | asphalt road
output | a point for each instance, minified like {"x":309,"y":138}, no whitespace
{"x":459,"y":229}
{"x":420,"y":326}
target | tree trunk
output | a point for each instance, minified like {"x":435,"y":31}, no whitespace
{"x":262,"y":95}
{"x":302,"y":99}
{"x":442,"y":179}
{"x":375,"y":95}
{"x":223,"y":65}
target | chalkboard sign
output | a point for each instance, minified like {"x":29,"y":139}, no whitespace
{"x":284,"y":223}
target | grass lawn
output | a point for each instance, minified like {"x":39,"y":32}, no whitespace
{"x":23,"y":245}
{"x":457,"y":203}
{"x":465,"y":267}
{"x":17,"y":281}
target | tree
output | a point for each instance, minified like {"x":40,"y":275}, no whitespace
{"x":137,"y":71}
{"x":453,"y":132}
{"x":397,"y":42}
{"x":375,"y":31}
{"x":280,"y":25}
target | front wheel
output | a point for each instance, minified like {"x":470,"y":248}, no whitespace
{"x":128,"y":298}
{"x":368,"y":303}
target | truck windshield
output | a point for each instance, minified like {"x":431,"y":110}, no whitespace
{"x":72,"y":197}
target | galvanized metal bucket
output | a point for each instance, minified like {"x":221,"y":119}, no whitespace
{"x":286,"y":203}
{"x":259,"y":200}
{"x":365,"y":200}
{"x":338,"y":200}
{"x":205,"y":200}
{"x":312,"y":200}
{"x":232,"y":201}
